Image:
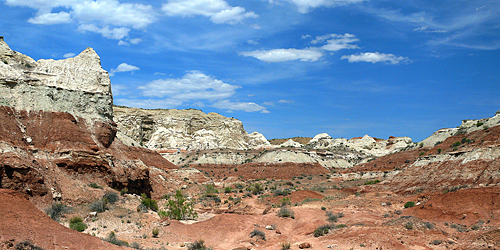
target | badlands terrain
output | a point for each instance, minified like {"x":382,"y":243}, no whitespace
{"x":77,"y":172}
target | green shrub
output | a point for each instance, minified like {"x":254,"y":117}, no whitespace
{"x":331,"y":217}
{"x":149,"y":203}
{"x":198,"y":245}
{"x":210,"y":191}
{"x":76,"y":223}
{"x":322,"y":230}
{"x":228,"y":190}
{"x":479,"y":124}
{"x":56,"y":210}
{"x":94,"y":185}
{"x":409,"y":204}
{"x":179,"y":209}
{"x":409,"y":225}
{"x":439,"y":150}
{"x":123,"y":191}
{"x":323,"y":208}
{"x":456,"y":144}
{"x":155,"y":232}
{"x":258,"y":233}
{"x":285,"y":245}
{"x":285,"y":212}
{"x":372,"y":182}
{"x":257,"y":189}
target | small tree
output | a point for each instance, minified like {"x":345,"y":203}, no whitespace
{"x":179,"y":209}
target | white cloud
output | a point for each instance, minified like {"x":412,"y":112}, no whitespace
{"x":123,"y":67}
{"x":123,"y":43}
{"x":51,"y":18}
{"x":336,"y":42}
{"x":283,"y":55}
{"x":219,"y":11}
{"x":268,"y":103}
{"x":67,"y":55}
{"x":375,"y":57}
{"x":110,"y":18}
{"x":111,"y":33}
{"x":304,"y":6}
{"x":135,"y":40}
{"x":239,"y":106}
{"x":112,"y":12}
{"x":193,"y":86}
{"x":285,"y":101}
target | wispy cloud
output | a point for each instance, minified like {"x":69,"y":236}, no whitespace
{"x":67,"y":55}
{"x":375,"y":57}
{"x":218,"y":11}
{"x":283,"y":55}
{"x":336,"y":42}
{"x":304,"y":6}
{"x":195,"y":87}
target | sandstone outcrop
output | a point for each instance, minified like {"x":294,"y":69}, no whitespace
{"x":184,"y":129}
{"x":57,"y":133}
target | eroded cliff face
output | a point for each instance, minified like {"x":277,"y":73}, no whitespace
{"x":57,"y":133}
{"x":184,"y":129}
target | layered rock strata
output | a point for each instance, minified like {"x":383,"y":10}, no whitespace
{"x":57,"y":133}
{"x":184,"y":129}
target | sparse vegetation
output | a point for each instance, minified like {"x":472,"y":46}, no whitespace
{"x":98,"y":206}
{"x":95,"y":185}
{"x":149,"y":203}
{"x":179,"y":209}
{"x":285,"y":245}
{"x":409,"y":225}
{"x":322,"y":230}
{"x":155,"y":232}
{"x":56,"y":210}
{"x":286,"y":212}
{"x":123,"y":191}
{"x":114,"y":240}
{"x":111,"y":197}
{"x":27,"y":245}
{"x":198,"y":245}
{"x":372,"y":182}
{"x":258,"y":233}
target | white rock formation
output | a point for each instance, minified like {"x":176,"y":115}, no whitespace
{"x":185,"y":129}
{"x":467,"y":126}
{"x":75,"y":85}
{"x":366,"y":145}
{"x":291,"y":143}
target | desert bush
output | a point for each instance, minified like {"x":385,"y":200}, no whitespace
{"x":56,"y":210}
{"x":285,"y":212}
{"x":111,"y":197}
{"x":323,"y":208}
{"x":136,"y":245}
{"x":239,"y":185}
{"x":428,"y":225}
{"x":198,"y":245}
{"x":114,"y":240}
{"x":372,"y":182}
{"x":409,"y":225}
{"x":228,"y":190}
{"x":439,"y":150}
{"x":95,"y":185}
{"x":123,"y":191}
{"x":331,"y":217}
{"x":436,"y":242}
{"x":27,"y":245}
{"x":149,"y":203}
{"x":155,"y":232}
{"x":179,"y":209}
{"x":76,"y":223}
{"x":322,"y":230}
{"x":258,"y":233}
{"x":409,"y":204}
{"x":210,"y":191}
{"x":257,"y":189}
{"x":278,"y":192}
{"x":285,"y":245}
{"x":98,"y":206}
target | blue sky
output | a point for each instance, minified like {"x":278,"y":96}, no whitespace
{"x":283,"y":67}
